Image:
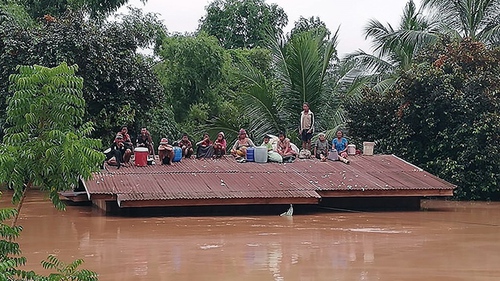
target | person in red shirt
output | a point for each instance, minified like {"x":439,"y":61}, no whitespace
{"x":220,"y":145}
{"x":186,"y":146}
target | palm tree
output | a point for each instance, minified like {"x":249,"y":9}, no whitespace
{"x":394,"y":49}
{"x":477,"y":19}
{"x":303,"y":67}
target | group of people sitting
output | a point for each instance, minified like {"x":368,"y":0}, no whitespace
{"x":280,"y":149}
{"x":120,"y":151}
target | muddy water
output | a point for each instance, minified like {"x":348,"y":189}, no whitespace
{"x":445,"y":241}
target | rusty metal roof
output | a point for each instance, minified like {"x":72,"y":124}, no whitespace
{"x":225,"y":179}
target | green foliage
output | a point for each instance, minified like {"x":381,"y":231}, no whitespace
{"x":444,"y":117}
{"x":190,"y":71}
{"x":16,"y":14}
{"x":47,"y":144}
{"x":145,"y":29}
{"x":9,"y":250}
{"x":97,"y":9}
{"x":372,"y":118}
{"x":257,"y":57}
{"x":394,"y":49}
{"x":160,"y":123}
{"x":10,"y":259}
{"x":311,"y":24}
{"x":242,"y":24}
{"x":116,"y":79}
{"x":304,"y":72}
{"x":67,"y":271}
{"x":303,"y":69}
{"x":462,"y":19}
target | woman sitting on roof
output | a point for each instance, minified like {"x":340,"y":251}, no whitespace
{"x":284,"y":148}
{"x":220,"y":145}
{"x":205,"y":148}
{"x":340,"y":144}
{"x":240,"y":146}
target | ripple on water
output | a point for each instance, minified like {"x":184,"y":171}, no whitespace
{"x":377,"y":230}
{"x":209,"y":246}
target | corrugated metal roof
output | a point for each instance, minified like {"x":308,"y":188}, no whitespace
{"x":224,"y":178}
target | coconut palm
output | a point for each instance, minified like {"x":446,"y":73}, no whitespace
{"x":303,"y":67}
{"x":477,"y":19}
{"x":394,"y":48}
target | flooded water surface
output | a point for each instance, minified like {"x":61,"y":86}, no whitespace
{"x":444,"y":241}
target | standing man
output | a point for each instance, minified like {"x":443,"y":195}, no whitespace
{"x":306,"y":128}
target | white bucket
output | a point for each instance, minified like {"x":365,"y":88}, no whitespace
{"x":260,"y":154}
{"x":351,"y":149}
{"x":333,"y":155}
{"x":368,"y":147}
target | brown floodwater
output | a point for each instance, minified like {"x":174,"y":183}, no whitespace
{"x":445,"y":241}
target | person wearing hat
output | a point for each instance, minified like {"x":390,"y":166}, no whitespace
{"x":240,"y":145}
{"x":321,"y":147}
{"x":118,"y":151}
{"x":186,"y":146}
{"x":220,"y":145}
{"x":165,"y":152}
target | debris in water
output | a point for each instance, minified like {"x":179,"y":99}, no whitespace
{"x":289,"y":212}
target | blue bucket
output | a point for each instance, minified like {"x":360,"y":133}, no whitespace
{"x":250,"y":154}
{"x":177,"y":154}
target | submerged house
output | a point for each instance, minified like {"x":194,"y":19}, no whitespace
{"x":367,"y":182}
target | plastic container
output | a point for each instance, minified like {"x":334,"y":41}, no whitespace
{"x":250,"y":154}
{"x":351,"y":149}
{"x":368,"y":148}
{"x":177,"y":154}
{"x":261,"y":154}
{"x":333,"y":155}
{"x":141,"y":156}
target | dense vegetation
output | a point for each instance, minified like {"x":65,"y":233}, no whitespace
{"x":428,"y":92}
{"x":257,"y":77}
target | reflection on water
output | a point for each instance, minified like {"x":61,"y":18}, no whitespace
{"x":445,"y":241}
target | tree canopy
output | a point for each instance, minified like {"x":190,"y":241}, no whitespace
{"x":97,"y":9}
{"x":47,"y":142}
{"x":443,"y":117}
{"x":242,"y":24}
{"x":119,"y":86}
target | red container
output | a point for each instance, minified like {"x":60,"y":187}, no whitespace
{"x":141,"y":156}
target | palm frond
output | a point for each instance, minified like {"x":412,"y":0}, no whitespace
{"x":385,"y":85}
{"x":369,"y":64}
{"x":259,"y":102}
{"x":466,"y":18}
